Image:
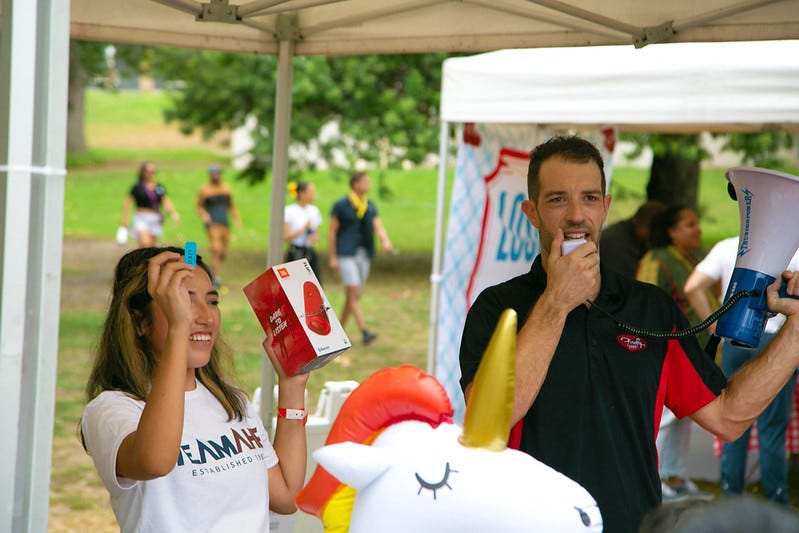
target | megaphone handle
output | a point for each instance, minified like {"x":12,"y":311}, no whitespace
{"x":784,"y":292}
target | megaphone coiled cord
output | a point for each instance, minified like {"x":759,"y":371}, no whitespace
{"x":693,"y":330}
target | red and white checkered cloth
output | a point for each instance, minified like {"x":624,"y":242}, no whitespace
{"x":791,"y":434}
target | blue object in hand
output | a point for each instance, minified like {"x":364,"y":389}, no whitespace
{"x":190,"y":253}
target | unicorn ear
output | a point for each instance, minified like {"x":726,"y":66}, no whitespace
{"x":356,"y":465}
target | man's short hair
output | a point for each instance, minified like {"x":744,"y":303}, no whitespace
{"x":355,"y":177}
{"x":570,"y":148}
{"x":733,"y":515}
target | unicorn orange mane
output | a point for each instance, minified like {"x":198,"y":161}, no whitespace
{"x":389,"y":396}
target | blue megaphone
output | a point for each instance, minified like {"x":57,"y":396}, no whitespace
{"x":768,"y":202}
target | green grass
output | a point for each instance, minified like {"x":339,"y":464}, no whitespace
{"x":111,"y":110}
{"x":94,"y":197}
{"x":110,"y":156}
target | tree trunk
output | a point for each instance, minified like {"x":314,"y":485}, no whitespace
{"x":674,"y":180}
{"x":78,"y":77}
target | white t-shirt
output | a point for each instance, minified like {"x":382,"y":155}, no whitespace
{"x":297,"y":217}
{"x":219,"y":483}
{"x":719,"y":264}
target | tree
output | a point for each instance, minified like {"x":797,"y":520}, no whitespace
{"x":385,"y":106}
{"x":674,"y":174}
{"x":761,"y":149}
{"x":87,"y":60}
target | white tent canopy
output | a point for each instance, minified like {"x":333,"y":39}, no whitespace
{"x":686,"y":86}
{"x":33,"y":86}
{"x":329,"y":27}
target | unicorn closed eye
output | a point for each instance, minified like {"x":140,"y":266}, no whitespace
{"x":395,"y":462}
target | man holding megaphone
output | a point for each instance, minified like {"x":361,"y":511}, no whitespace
{"x":589,"y":394}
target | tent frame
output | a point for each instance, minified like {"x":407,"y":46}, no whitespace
{"x":33,"y":94}
{"x":34,"y":55}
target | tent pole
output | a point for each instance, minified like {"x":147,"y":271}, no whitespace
{"x":17,"y":74}
{"x":716,"y":14}
{"x":435,"y":276}
{"x":590,"y":16}
{"x":40,"y":351}
{"x":34,"y":48}
{"x":286,"y":35}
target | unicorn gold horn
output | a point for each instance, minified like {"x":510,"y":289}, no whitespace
{"x":488,"y":415}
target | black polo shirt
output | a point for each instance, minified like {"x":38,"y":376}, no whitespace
{"x":353,"y":231}
{"x":596,"y":416}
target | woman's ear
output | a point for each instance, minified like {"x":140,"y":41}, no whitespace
{"x":141,"y":324}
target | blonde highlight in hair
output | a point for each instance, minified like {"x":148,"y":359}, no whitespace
{"x":125,"y":359}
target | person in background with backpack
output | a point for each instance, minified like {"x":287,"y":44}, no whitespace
{"x":301,"y":226}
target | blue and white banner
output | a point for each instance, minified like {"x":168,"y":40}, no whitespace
{"x":489,"y":239}
{"x":508,"y":242}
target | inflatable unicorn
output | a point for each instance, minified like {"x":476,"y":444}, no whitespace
{"x":395,"y":462}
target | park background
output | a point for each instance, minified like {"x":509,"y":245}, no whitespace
{"x":124,"y":128}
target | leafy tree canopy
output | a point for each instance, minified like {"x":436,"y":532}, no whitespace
{"x":761,"y":149}
{"x":682,"y":146}
{"x":386,"y":106}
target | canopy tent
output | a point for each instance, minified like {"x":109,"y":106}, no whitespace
{"x":33,"y":85}
{"x":330,"y":27}
{"x":675,"y":88}
{"x":679,"y":87}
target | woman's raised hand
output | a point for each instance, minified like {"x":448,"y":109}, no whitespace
{"x":165,"y":274}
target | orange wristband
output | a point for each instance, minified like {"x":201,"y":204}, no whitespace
{"x":293,"y":414}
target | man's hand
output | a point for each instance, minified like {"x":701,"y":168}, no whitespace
{"x":574,"y":278}
{"x":786,"y":306}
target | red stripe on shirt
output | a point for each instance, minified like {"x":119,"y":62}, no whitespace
{"x":684,"y":391}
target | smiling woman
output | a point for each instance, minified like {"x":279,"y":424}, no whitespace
{"x":159,"y":385}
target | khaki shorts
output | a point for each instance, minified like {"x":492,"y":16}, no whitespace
{"x":354,"y":269}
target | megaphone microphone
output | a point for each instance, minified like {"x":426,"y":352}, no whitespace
{"x":768,"y":202}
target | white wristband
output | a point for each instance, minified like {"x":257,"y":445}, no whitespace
{"x":292,"y":414}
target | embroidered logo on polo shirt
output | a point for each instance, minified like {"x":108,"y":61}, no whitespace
{"x":631,"y":342}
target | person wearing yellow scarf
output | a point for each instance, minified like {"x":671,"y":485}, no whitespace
{"x":353,"y":225}
{"x":360,"y":203}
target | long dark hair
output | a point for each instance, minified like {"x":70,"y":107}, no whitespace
{"x":125,"y":360}
{"x":661,"y":223}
